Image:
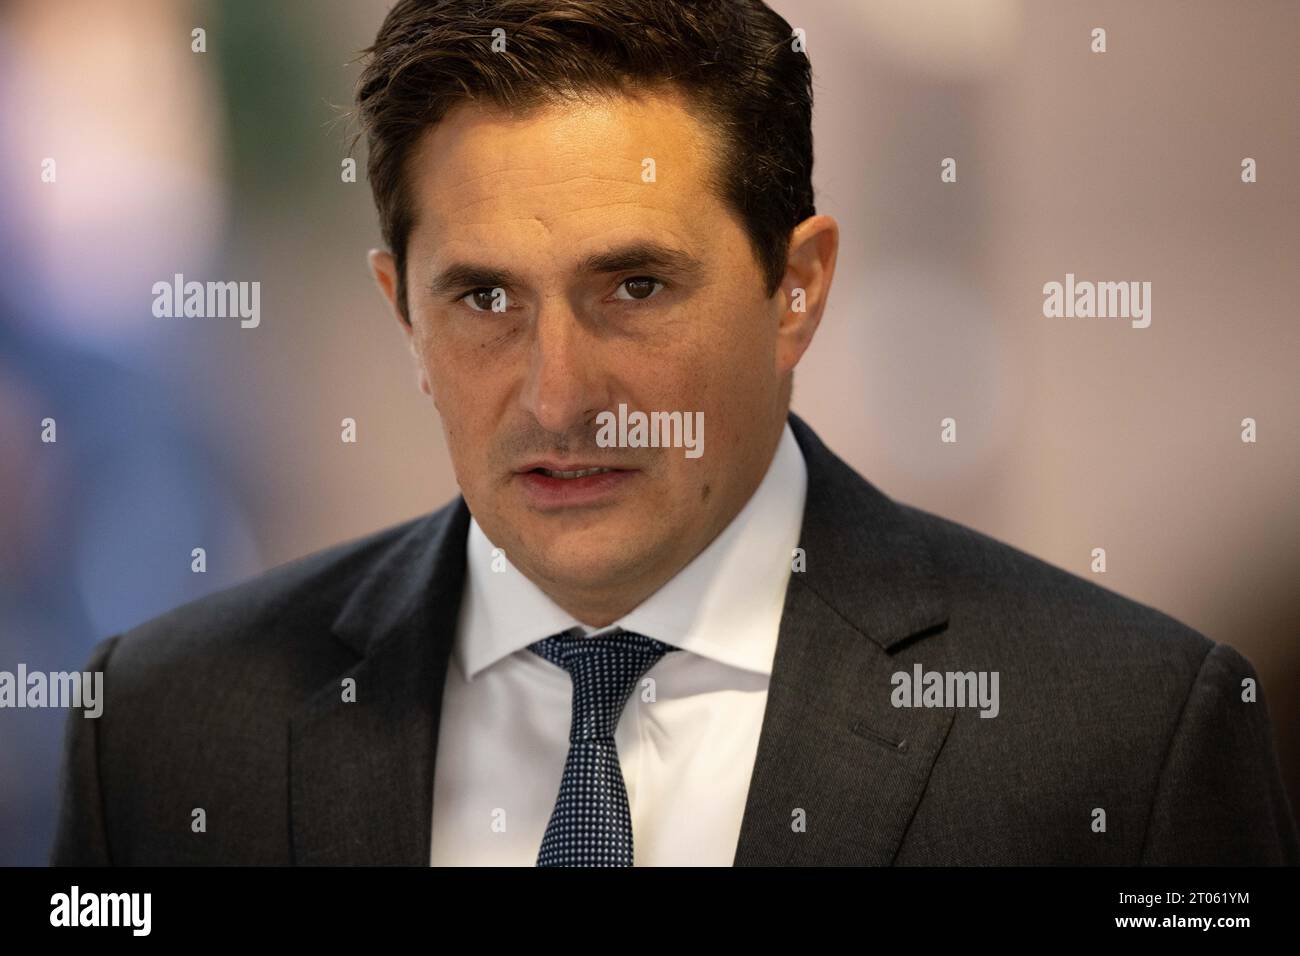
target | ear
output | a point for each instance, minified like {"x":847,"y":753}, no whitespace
{"x":810,"y":266}
{"x":384,"y":268}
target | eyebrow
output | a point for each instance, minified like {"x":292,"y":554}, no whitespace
{"x":645,"y":254}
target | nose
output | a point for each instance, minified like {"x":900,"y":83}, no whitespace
{"x":563,"y":390}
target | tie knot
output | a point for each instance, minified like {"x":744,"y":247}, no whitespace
{"x":604,"y":670}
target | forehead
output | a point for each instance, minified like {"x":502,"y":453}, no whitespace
{"x":609,"y":164}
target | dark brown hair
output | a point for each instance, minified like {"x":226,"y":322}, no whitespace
{"x":733,"y":59}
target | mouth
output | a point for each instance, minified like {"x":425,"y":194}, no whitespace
{"x":554,"y":485}
{"x":567,"y":475}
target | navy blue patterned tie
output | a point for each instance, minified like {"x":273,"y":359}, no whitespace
{"x":591,"y":824}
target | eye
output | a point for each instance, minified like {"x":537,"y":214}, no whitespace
{"x":485,"y":297}
{"x":639,"y":287}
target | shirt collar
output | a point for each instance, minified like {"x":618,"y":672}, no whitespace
{"x":726,"y":604}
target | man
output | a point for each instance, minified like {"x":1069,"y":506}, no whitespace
{"x":624,"y":643}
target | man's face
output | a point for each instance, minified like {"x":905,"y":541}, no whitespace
{"x":622,"y":283}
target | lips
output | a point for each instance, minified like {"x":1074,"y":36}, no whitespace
{"x":559,"y":468}
{"x":578,"y":473}
{"x":553,"y":485}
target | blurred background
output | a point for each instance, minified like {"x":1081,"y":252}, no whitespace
{"x":1072,"y":434}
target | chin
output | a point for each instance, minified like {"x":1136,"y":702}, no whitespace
{"x":598,"y":569}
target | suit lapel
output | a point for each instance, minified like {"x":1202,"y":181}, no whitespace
{"x":361,"y":773}
{"x":839,"y":771}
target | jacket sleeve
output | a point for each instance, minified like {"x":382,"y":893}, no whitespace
{"x":1219,"y":799}
{"x":81,"y":839}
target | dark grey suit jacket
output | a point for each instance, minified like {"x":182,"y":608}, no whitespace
{"x":233,"y":704}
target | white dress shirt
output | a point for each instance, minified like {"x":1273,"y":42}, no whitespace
{"x":687,"y":757}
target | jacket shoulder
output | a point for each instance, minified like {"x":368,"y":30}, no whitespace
{"x":280,"y":620}
{"x":1105,"y":704}
{"x":1024,"y":593}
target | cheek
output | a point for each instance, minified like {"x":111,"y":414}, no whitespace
{"x":462,"y":358}
{"x":733,"y":359}
{"x":448,"y":374}
{"x":465,"y":397}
